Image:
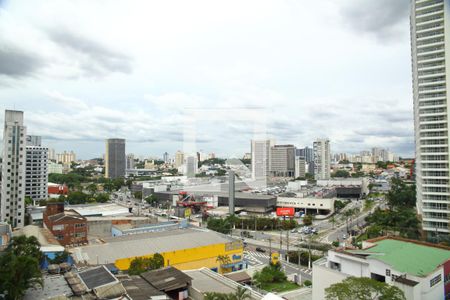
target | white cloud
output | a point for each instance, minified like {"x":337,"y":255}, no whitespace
{"x":134,"y":74}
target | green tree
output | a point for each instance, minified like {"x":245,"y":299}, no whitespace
{"x":152,"y":200}
{"x":102,"y":197}
{"x":240,"y":294}
{"x":270,"y":274}
{"x":156,"y":262}
{"x":28,"y":201}
{"x":19,"y":267}
{"x":219,"y":225}
{"x":401,"y":195}
{"x":92,"y":188}
{"x":77,"y":197}
{"x":307,"y":220}
{"x":137,"y":195}
{"x":25,"y":246}
{"x":141,"y":264}
{"x":363,"y":288}
{"x":341,"y":173}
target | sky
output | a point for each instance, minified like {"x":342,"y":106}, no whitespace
{"x":162,"y":74}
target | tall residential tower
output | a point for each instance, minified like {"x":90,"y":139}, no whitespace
{"x":430,"y":49}
{"x":261,"y":159}
{"x":12,"y":203}
{"x":322,"y":157}
{"x":36,"y":175}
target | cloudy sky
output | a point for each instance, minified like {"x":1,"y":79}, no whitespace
{"x":154,"y":71}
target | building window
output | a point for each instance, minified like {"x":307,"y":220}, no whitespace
{"x":388,"y":272}
{"x":80,"y":234}
{"x":58,"y":227}
{"x":79,"y":225}
{"x":435,"y":280}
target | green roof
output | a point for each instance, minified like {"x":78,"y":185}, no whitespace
{"x":407,"y":257}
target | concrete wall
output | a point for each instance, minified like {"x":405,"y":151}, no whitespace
{"x":322,"y":278}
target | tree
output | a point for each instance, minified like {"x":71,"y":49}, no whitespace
{"x":19,"y":267}
{"x":152,"y":200}
{"x":25,"y":246}
{"x":137,"y":195}
{"x":223,"y":260}
{"x":92,"y":188}
{"x":307,"y":220}
{"x":363,"y":288}
{"x":102,"y":198}
{"x":77,"y":197}
{"x":269,"y":274}
{"x":401,"y":195}
{"x":240,"y":294}
{"x":341,"y":173}
{"x":333,"y":221}
{"x":141,"y":264}
{"x":28,"y":200}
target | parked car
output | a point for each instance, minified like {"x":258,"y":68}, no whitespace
{"x":259,"y":249}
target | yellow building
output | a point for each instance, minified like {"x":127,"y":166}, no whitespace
{"x":184,"y":249}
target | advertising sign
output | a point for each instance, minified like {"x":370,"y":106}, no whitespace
{"x":285,"y":211}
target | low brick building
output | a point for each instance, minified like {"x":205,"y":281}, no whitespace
{"x":68,"y":226}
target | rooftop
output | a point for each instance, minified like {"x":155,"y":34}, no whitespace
{"x":204,"y":280}
{"x":415,"y":258}
{"x":139,"y":289}
{"x":147,"y":243}
{"x":167,"y":279}
{"x":44,"y":236}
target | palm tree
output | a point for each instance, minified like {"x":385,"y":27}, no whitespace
{"x":223,"y":259}
{"x":242,"y":293}
{"x":333,"y":221}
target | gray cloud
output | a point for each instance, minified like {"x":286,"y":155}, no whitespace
{"x":377,"y":17}
{"x":18,"y":63}
{"x":93,"y":58}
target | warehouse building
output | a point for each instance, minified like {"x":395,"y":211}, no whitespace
{"x":184,"y":249}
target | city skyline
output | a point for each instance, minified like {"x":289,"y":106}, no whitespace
{"x":84,"y":84}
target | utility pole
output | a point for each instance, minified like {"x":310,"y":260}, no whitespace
{"x":287,"y":246}
{"x":281,"y":239}
{"x":309,"y":255}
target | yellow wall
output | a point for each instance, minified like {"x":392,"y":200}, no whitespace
{"x":193,"y":258}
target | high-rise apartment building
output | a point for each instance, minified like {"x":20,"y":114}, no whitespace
{"x":36,"y":173}
{"x":300,"y":167}
{"x":166,"y":157}
{"x":430,"y":49}
{"x":12,"y":202}
{"x":282,"y":160}
{"x":66,"y":157}
{"x":261,"y":159}
{"x":179,"y":159}
{"x":130,"y":162}
{"x":322,"y":157}
{"x":51,"y":154}
{"x":115,"y":162}
{"x":191,"y":166}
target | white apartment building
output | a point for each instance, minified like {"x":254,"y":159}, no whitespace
{"x":36,"y":174}
{"x":300,"y":167}
{"x":130,"y":162}
{"x":430,"y":46}
{"x":260,"y":150}
{"x":179,"y":159}
{"x":322,"y":157}
{"x":191,"y":166}
{"x":420,"y":270}
{"x":66,"y":157}
{"x":12,"y":204}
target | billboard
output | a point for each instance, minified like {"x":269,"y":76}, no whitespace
{"x":285,"y":211}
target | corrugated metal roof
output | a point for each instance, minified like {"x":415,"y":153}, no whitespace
{"x":149,"y":243}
